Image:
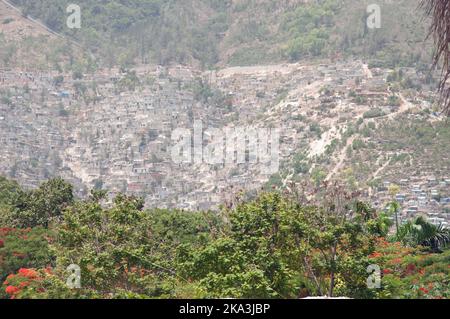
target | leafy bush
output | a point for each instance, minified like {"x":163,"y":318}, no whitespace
{"x":376,"y":112}
{"x":21,"y":248}
{"x":411,"y":272}
{"x":274,"y":246}
{"x":36,"y":207}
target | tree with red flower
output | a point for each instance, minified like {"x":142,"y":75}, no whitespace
{"x":28,"y":273}
{"x":424,"y":290}
{"x":12,"y":290}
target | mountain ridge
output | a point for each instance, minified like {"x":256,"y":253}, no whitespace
{"x":211,"y":34}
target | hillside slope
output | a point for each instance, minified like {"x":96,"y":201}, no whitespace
{"x":210,"y":33}
{"x":26,"y":43}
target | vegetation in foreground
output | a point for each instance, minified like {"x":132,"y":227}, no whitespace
{"x":275,"y":246}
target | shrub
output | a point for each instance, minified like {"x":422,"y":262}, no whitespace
{"x":23,"y":248}
{"x":377,"y":112}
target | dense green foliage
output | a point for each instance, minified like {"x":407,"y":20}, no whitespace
{"x":309,"y":27}
{"x":23,"y":248}
{"x":411,"y":273}
{"x":272,"y":251}
{"x":274,"y":246}
{"x":211,"y":32}
{"x":34,"y":208}
{"x":420,"y":232}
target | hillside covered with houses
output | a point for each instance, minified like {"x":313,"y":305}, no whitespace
{"x":209,"y":149}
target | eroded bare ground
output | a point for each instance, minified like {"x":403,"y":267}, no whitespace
{"x":15,"y":27}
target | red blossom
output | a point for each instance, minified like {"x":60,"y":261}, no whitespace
{"x":375,"y":255}
{"x":383,"y":244}
{"x":424,"y":290}
{"x":387,"y":271}
{"x":28,"y":273}
{"x":24,"y":284}
{"x":5,"y":231}
{"x":12,"y":290}
{"x":2,"y":243}
{"x":48,"y":270}
{"x":396,"y":261}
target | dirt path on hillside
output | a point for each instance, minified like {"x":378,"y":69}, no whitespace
{"x":379,"y":170}
{"x":43,"y":28}
{"x":405,"y":105}
{"x":342,"y":157}
{"x":15,"y":26}
{"x":367,"y":71}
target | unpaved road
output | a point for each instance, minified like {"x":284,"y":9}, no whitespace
{"x":341,"y":159}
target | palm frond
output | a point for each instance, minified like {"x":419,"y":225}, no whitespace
{"x":421,"y":232}
{"x":439,"y":10}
